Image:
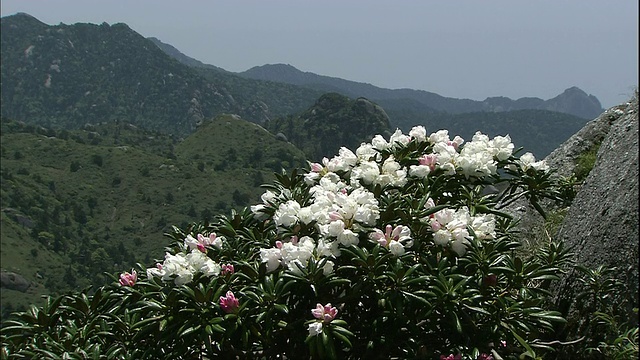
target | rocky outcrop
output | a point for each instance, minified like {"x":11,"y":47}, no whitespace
{"x":563,"y":162}
{"x":602,"y":223}
{"x":13,"y":281}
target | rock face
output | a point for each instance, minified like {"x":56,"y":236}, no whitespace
{"x":13,"y":281}
{"x":563,"y":161}
{"x":602,"y":223}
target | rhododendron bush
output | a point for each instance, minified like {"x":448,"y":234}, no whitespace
{"x":397,"y":249}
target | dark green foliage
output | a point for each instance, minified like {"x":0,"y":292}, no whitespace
{"x":332,"y":122}
{"x":96,"y":160}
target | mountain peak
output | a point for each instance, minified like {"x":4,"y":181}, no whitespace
{"x":574,"y":90}
{"x":22,"y":18}
{"x":575,"y":101}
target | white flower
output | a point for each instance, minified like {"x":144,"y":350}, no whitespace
{"x":392,"y":173}
{"x":271,"y":257}
{"x":156,"y":271}
{"x":335,"y":228}
{"x":287,"y":213}
{"x":306,"y":215}
{"x":315,"y":328}
{"x":310,"y":178}
{"x":347,"y":238}
{"x":396,"y":239}
{"x":450,"y":228}
{"x":501,"y":147}
{"x":396,"y":248}
{"x":343,"y":162}
{"x":420,"y":171}
{"x":368,"y":171}
{"x":379,"y":143}
{"x":527,"y":161}
{"x":183,"y":276}
{"x":440,"y":136}
{"x":479,"y":137}
{"x":300,"y":251}
{"x":202,"y":263}
{"x":442,"y":237}
{"x":419,"y":133}
{"x":398,"y":138}
{"x":478,"y":164}
{"x":256,"y":209}
{"x":459,"y":246}
{"x":484,"y":226}
{"x":268,"y":196}
{"x":327,"y":269}
{"x":367,"y":152}
{"x":327,"y":248}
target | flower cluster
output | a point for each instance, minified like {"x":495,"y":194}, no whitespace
{"x":183,"y":267}
{"x":294,"y":254}
{"x":324,"y":315}
{"x":343,"y":205}
{"x":451,"y":227}
{"x":396,"y":239}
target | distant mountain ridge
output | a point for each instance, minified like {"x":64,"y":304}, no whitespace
{"x":572,"y":101}
{"x":176,"y":54}
{"x":65,"y":76}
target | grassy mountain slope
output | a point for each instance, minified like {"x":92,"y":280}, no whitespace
{"x":78,"y":203}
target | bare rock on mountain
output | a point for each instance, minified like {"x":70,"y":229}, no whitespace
{"x":13,"y":281}
{"x":602,"y":223}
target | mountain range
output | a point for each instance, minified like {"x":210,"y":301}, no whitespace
{"x":572,"y":101}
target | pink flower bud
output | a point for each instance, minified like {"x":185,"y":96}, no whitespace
{"x":129,"y":279}
{"x":334,"y":215}
{"x":227,"y":269}
{"x":325,"y":313}
{"x":229,"y":303}
{"x":315,"y":167}
{"x":429,"y":160}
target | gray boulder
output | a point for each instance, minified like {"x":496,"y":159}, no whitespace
{"x":13,"y":281}
{"x":563,"y":161}
{"x":601,"y":225}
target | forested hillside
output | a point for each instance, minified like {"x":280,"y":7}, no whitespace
{"x":78,"y":203}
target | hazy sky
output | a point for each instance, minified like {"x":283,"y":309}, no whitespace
{"x":464,"y":48}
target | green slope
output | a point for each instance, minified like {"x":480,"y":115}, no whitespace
{"x":78,"y":203}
